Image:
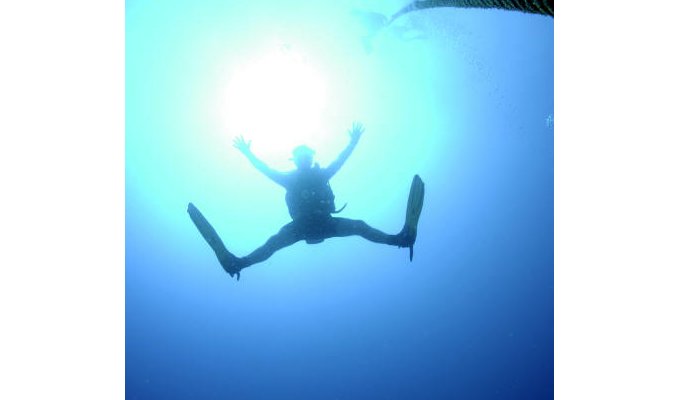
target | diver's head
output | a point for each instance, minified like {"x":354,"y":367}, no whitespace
{"x":303,"y":157}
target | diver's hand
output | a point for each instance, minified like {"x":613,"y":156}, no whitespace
{"x":356,"y":131}
{"x":241,"y":144}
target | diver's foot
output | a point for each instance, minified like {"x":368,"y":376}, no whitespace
{"x":231,"y":264}
{"x":406,"y":238}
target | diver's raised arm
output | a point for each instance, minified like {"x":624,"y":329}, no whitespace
{"x":244,"y":147}
{"x":354,"y":134}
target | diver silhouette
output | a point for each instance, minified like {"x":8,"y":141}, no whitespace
{"x":311,"y":203}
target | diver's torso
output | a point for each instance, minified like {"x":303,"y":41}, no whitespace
{"x":309,"y":195}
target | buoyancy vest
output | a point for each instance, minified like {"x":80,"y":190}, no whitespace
{"x":310,"y":195}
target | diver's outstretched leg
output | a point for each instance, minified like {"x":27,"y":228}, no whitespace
{"x":285,"y":237}
{"x":227,"y":260}
{"x":349,"y":227}
{"x":405,"y":238}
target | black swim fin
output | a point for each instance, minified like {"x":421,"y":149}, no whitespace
{"x":413,"y":209}
{"x":228,"y":261}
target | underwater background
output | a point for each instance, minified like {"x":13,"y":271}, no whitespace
{"x":464,"y":98}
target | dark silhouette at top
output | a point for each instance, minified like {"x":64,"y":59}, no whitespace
{"x":541,"y":7}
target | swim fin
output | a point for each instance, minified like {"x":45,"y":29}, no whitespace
{"x":413,"y":209}
{"x":228,"y":261}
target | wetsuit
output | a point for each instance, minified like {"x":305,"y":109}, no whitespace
{"x":311,"y":204}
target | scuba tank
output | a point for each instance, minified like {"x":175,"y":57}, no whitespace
{"x":310,"y":195}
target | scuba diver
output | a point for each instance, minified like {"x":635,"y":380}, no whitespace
{"x":371,"y":24}
{"x":311,"y":204}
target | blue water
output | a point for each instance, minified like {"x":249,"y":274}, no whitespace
{"x":467,"y":105}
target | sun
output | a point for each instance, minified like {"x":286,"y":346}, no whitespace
{"x":277,"y":100}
